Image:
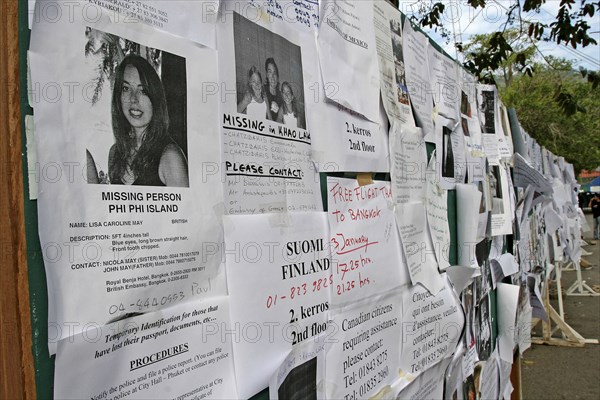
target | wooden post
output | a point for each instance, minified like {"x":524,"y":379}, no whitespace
{"x":17,"y":379}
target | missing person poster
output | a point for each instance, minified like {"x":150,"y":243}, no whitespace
{"x":279,"y":277}
{"x":365,"y":246}
{"x":265,"y":68}
{"x":179,"y":352}
{"x":128,"y":214}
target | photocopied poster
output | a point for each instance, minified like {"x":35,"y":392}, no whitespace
{"x":450,"y":152}
{"x":347,"y":55}
{"x":279,"y":276}
{"x":408,"y":156}
{"x":432,"y":326}
{"x":178,"y":352}
{"x":501,"y":205}
{"x":443,"y":72}
{"x":265,"y":66}
{"x":469,"y":113}
{"x":129,"y":218}
{"x":437,"y":220}
{"x":363,"y":352}
{"x":365,"y":247}
{"x":414,"y":46}
{"x":302,"y":373}
{"x":392,"y":75}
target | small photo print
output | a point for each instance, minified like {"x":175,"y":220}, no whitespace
{"x":487,"y":113}
{"x":447,"y":153}
{"x":301,"y":382}
{"x":496,"y":190}
{"x":148,"y":112}
{"x":269,"y":80}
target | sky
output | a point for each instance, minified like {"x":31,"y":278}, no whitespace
{"x":469,"y":21}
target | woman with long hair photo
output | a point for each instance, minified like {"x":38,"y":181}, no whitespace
{"x":144,"y":152}
{"x":272,"y":91}
{"x":254,"y":103}
{"x":289,"y":110}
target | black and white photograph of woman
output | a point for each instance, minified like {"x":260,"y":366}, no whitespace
{"x":447,"y":153}
{"x":255,"y":103}
{"x":272,"y":89}
{"x":496,"y":190}
{"x":290,"y":114}
{"x":148,"y":123}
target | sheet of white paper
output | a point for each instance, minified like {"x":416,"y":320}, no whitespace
{"x":437,"y":220}
{"x":509,"y":264}
{"x":278,"y":287}
{"x":392,"y":76}
{"x":365,"y":247}
{"x":525,"y":175}
{"x":506,"y":387}
{"x":469,"y":114}
{"x":429,"y":385}
{"x":469,"y":360}
{"x":461,"y":276}
{"x":110,"y":250}
{"x":408,"y":157}
{"x":454,"y":375}
{"x":505,"y":146}
{"x":266,"y":147}
{"x":414,"y":45}
{"x":363,"y":354}
{"x":33,"y":166}
{"x":165,"y":15}
{"x":411,"y":220}
{"x":501,"y":205}
{"x":443,"y":72}
{"x":432,"y":326}
{"x":299,"y":14}
{"x":468,"y":200}
{"x":302,"y":373}
{"x":506,"y":314}
{"x":348,"y":56}
{"x":450,"y":152}
{"x":489,"y":384}
{"x":181,"y":351}
{"x":346,"y":141}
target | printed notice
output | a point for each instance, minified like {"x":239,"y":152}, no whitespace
{"x":415,"y":46}
{"x":392,"y":75}
{"x":432,"y":327}
{"x":174,"y":353}
{"x":365,"y":247}
{"x":408,"y":157}
{"x":279,"y":276}
{"x":347,"y":55}
{"x":363,"y":354}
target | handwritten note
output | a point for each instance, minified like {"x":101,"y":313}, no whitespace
{"x":364,"y":242}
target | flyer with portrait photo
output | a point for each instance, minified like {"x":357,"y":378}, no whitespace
{"x":265,"y":68}
{"x":129,"y":216}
